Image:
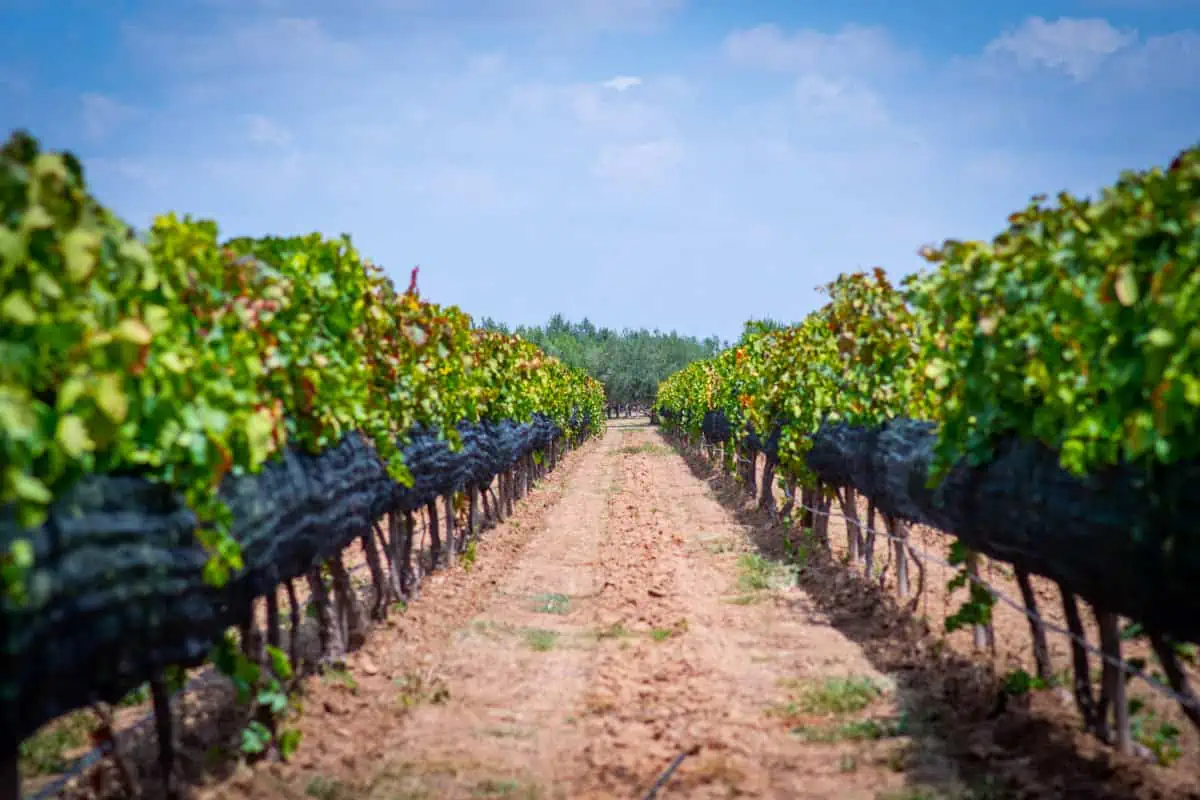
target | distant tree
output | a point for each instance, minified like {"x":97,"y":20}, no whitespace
{"x":630,"y":363}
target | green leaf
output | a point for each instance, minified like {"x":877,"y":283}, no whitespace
{"x":17,"y":308}
{"x":27,"y":487}
{"x":1126,"y":286}
{"x":72,"y":436}
{"x":1160,"y":337}
{"x":108,"y":391}
{"x":79,"y":250}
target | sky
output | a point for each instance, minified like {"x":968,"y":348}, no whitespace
{"x":671,"y":164}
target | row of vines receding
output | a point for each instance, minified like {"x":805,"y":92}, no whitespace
{"x":197,"y":434}
{"x":1033,"y":403}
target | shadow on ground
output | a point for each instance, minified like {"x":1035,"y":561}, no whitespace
{"x":1002,"y":746}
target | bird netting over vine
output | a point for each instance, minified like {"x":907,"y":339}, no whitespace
{"x":1124,"y":538}
{"x":117,"y":590}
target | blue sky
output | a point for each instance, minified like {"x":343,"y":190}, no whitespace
{"x":663,"y":163}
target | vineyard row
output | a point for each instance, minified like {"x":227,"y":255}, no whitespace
{"x":1036,"y":396}
{"x":189,"y":424}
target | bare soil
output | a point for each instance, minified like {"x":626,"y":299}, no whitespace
{"x":635,"y":612}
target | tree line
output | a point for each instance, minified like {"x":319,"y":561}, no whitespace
{"x":630,"y":363}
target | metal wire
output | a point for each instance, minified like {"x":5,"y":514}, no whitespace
{"x":1158,"y":686}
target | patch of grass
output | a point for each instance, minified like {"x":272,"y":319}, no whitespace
{"x":416,"y":689}
{"x":540,"y":639}
{"x":469,"y":555}
{"x":44,"y":753}
{"x":649,"y":448}
{"x":662,"y":634}
{"x":135,"y":698}
{"x":504,"y":787}
{"x":720,"y":545}
{"x":551,"y":603}
{"x":323,"y":788}
{"x":834,"y":696}
{"x":340,"y":677}
{"x":758,"y":573}
{"x":745,"y":599}
{"x":614,"y":631}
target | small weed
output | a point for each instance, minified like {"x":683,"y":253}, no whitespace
{"x":399,"y":607}
{"x":745,"y":599}
{"x":323,"y":788}
{"x":505,"y":787}
{"x":662,"y":634}
{"x":1159,"y":735}
{"x":44,"y":753}
{"x":614,"y":631}
{"x":540,"y":639}
{"x":469,"y":555}
{"x":649,"y":448}
{"x":847,"y":763}
{"x":416,"y":689}
{"x":719,"y":546}
{"x":135,"y":698}
{"x":756,"y":573}
{"x":339,"y":676}
{"x":834,"y":696}
{"x":551,"y":603}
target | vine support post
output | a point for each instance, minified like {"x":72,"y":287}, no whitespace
{"x":409,"y":578}
{"x":898,"y":533}
{"x":165,"y":729}
{"x":274,"y":639}
{"x":1079,"y":662}
{"x":435,"y":536}
{"x":767,"y":497}
{"x":1037,"y":628}
{"x":329,"y":632}
{"x":1113,"y":678}
{"x":473,"y":511}
{"x":378,"y":578}
{"x":983,"y":635}
{"x":869,"y":542}
{"x":353,"y":619}
{"x":848,"y":499}
{"x":294,"y":622}
{"x":451,"y":543}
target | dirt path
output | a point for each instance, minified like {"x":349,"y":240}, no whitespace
{"x":618,"y":621}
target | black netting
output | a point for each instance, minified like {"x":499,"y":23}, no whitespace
{"x":715,"y":427}
{"x":117,"y":587}
{"x":1126,"y":540}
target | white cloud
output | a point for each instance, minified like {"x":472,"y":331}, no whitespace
{"x":639,"y":164}
{"x":855,"y":49}
{"x":102,"y":115}
{"x":1077,"y":47}
{"x":263,"y":130}
{"x":841,"y":100}
{"x":270,"y":44}
{"x":622,"y":83}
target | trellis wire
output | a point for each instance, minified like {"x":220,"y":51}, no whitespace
{"x":1156,"y":685}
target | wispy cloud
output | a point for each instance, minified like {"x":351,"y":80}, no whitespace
{"x":725,"y":161}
